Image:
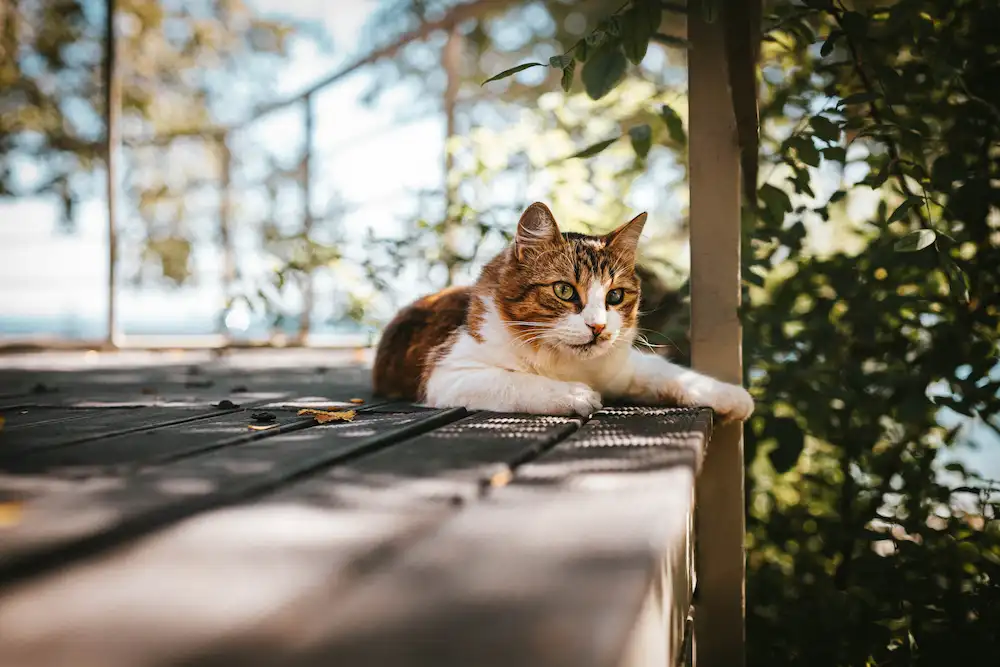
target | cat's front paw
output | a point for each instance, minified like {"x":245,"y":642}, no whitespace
{"x":730,"y":402}
{"x":571,"y":398}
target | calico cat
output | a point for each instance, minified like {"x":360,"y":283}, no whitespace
{"x":547,"y":329}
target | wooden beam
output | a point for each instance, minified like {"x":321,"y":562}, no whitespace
{"x":714,"y":156}
{"x":742,"y":21}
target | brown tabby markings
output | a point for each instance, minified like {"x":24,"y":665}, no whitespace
{"x":524,"y":291}
{"x":521,"y":289}
{"x":414,"y":339}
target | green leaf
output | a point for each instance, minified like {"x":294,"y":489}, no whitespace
{"x":636,"y":32}
{"x":567,"y":76}
{"x":596,"y":38}
{"x":877,"y":180}
{"x":947,"y":169}
{"x":854,"y":24}
{"x":835,"y":153}
{"x":675,"y":126}
{"x":958,"y":280}
{"x":775,"y":200}
{"x":903,"y":209}
{"x":602,"y":72}
{"x":830,"y":43}
{"x":594,"y":149}
{"x":560,"y":62}
{"x":510,"y":72}
{"x":825,"y":129}
{"x":642,"y":139}
{"x":791,"y":442}
{"x":858,"y":98}
{"x":915,"y":241}
{"x":613,"y":26}
{"x":581,"y":52}
{"x":805,"y":149}
{"x":652,"y":13}
{"x":754,"y":278}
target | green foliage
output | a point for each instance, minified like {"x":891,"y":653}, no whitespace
{"x":865,"y":548}
{"x":607,"y":50}
{"x":642,"y":139}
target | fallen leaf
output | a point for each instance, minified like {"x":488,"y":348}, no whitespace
{"x":501,"y":478}
{"x":324,"y":416}
{"x":3,"y":420}
{"x":256,"y":427}
{"x":357,"y":401}
{"x":10,"y":514}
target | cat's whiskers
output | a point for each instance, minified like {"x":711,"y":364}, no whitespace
{"x":670,"y":340}
{"x":524,"y":342}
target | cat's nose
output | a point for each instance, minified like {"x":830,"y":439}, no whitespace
{"x":596,"y":328}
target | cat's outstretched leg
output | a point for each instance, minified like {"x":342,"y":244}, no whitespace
{"x":501,"y":390}
{"x":651,"y":379}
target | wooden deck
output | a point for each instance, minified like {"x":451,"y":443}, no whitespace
{"x":143,"y":523}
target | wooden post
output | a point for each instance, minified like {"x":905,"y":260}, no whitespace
{"x":308,"y":296}
{"x":716,"y":340}
{"x":112,"y":110}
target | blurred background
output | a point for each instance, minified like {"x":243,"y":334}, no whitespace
{"x":289,"y":173}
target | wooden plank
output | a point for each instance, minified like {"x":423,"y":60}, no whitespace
{"x":714,"y":158}
{"x":320,"y":534}
{"x":31,"y":418}
{"x":151,"y":447}
{"x":552,"y":569}
{"x":98,"y":425}
{"x":450,"y":464}
{"x":60,"y":526}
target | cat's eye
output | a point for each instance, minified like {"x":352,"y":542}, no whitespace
{"x":564,"y":291}
{"x":615,"y":296}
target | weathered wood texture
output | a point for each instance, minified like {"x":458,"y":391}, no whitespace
{"x":408,"y":536}
{"x":716,"y":334}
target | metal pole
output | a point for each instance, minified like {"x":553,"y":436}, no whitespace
{"x":305,"y":318}
{"x":112,"y":110}
{"x":450,"y":60}
{"x":225,"y":229}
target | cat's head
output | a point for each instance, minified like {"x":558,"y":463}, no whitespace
{"x":568,"y":292}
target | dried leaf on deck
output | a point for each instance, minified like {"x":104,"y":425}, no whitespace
{"x":357,"y":401}
{"x":10,"y":514}
{"x":324,"y":416}
{"x":257,"y":427}
{"x":3,"y":420}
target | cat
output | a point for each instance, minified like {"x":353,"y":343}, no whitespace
{"x":547,"y":329}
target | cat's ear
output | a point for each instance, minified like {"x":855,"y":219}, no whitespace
{"x":625,"y":239}
{"x":537,"y":229}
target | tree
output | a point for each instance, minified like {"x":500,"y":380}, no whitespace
{"x":865,"y":545}
{"x":184,"y":67}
